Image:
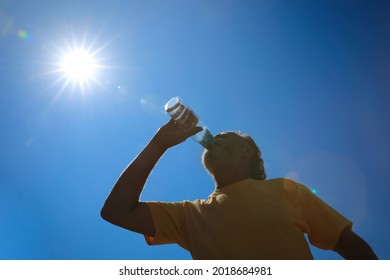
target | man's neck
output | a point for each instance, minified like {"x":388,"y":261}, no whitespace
{"x":228,"y":177}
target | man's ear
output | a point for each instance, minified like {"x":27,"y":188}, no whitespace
{"x":248,"y":152}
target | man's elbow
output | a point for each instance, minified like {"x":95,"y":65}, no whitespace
{"x":116,"y":216}
{"x":108,"y":214}
{"x":105,"y":214}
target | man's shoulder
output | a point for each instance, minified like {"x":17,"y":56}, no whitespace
{"x":177,"y":206}
{"x":282,"y":180}
{"x":195,"y":202}
{"x":286,"y":184}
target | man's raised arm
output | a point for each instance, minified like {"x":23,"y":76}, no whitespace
{"x":122,"y":207}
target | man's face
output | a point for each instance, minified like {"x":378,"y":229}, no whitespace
{"x":225,"y":151}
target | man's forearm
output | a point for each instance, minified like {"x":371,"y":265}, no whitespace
{"x":127,"y":190}
{"x":352,"y":247}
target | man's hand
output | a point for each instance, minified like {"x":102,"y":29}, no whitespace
{"x":173,"y":133}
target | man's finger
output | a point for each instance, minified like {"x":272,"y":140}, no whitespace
{"x":195,"y":130}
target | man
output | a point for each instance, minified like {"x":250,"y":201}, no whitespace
{"x":246,"y":217}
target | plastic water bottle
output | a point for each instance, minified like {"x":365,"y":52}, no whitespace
{"x":180,"y":112}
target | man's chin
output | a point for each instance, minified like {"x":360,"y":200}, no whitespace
{"x":208,"y":165}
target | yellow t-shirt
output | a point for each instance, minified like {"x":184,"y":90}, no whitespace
{"x":250,"y":219}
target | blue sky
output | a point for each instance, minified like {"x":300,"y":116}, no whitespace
{"x":308,"y":80}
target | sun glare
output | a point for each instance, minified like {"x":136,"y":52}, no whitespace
{"x":79,"y":65}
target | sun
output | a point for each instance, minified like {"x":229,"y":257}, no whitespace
{"x":79,"y":65}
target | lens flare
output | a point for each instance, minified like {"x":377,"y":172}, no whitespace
{"x":24,"y":35}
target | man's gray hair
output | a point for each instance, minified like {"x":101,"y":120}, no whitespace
{"x":257,"y":160}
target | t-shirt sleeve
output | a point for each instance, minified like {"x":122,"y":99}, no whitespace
{"x":168,"y":223}
{"x":323,"y":224}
